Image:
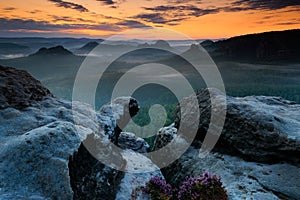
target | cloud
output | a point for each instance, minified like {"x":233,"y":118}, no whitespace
{"x":132,"y":24}
{"x":287,"y":23}
{"x":9,"y":9}
{"x":172,"y":15}
{"x":175,"y":11}
{"x":262,"y":4}
{"x":158,"y":18}
{"x":8,"y":25}
{"x":66,"y":4}
{"x":56,"y":18}
{"x":107,"y":2}
{"x":184,"y":1}
{"x":34,"y":11}
{"x":112,"y":3}
{"x":30,"y":25}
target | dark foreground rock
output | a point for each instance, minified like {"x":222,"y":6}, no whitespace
{"x":19,"y":89}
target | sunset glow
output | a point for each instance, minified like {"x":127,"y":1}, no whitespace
{"x":102,"y":18}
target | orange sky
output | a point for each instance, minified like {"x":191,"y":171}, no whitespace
{"x":100,"y":18}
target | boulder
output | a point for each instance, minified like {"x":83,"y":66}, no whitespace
{"x":257,"y":128}
{"x":47,"y":145}
{"x":18,"y":89}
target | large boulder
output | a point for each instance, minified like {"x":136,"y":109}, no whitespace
{"x":257,"y":128}
{"x":43,"y":152}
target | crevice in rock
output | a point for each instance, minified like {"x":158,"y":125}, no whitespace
{"x":91,"y":179}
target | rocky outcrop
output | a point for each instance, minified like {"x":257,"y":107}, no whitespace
{"x":43,"y":152}
{"x":242,"y":180}
{"x":256,"y":155}
{"x":19,"y":89}
{"x":119,"y":111}
{"x":257,"y":128}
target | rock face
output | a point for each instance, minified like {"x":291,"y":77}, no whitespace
{"x":136,"y":177}
{"x":42,"y":155}
{"x":257,"y":128}
{"x":122,"y":109}
{"x":130,"y":141}
{"x":19,"y":89}
{"x":242,"y":180}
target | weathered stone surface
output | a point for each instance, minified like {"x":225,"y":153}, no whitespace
{"x":141,"y":170}
{"x":32,"y":163}
{"x":18,"y":89}
{"x":119,"y":112}
{"x":130,"y":141}
{"x":164,"y":136}
{"x":42,"y":155}
{"x":258,"y":128}
{"x":242,"y":179}
{"x":36,"y":145}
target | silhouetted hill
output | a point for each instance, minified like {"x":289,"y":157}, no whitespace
{"x":206,"y":43}
{"x":86,"y":48}
{"x":161,"y":44}
{"x":268,"y":47}
{"x":36,"y":43}
{"x":58,"y":51}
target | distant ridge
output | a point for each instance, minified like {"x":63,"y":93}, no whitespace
{"x":86,"y":48}
{"x":275,"y":46}
{"x":52,"y":51}
{"x":12,"y":48}
{"x":158,"y":44}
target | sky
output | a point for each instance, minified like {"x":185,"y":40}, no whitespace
{"x":198,"y":19}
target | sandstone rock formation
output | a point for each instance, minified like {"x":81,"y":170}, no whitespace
{"x":257,"y":128}
{"x":42,"y":151}
{"x":256,"y":155}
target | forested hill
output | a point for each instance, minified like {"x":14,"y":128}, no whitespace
{"x":268,"y":47}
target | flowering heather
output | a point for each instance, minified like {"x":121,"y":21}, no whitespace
{"x":205,"y":187}
{"x":158,"y":189}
